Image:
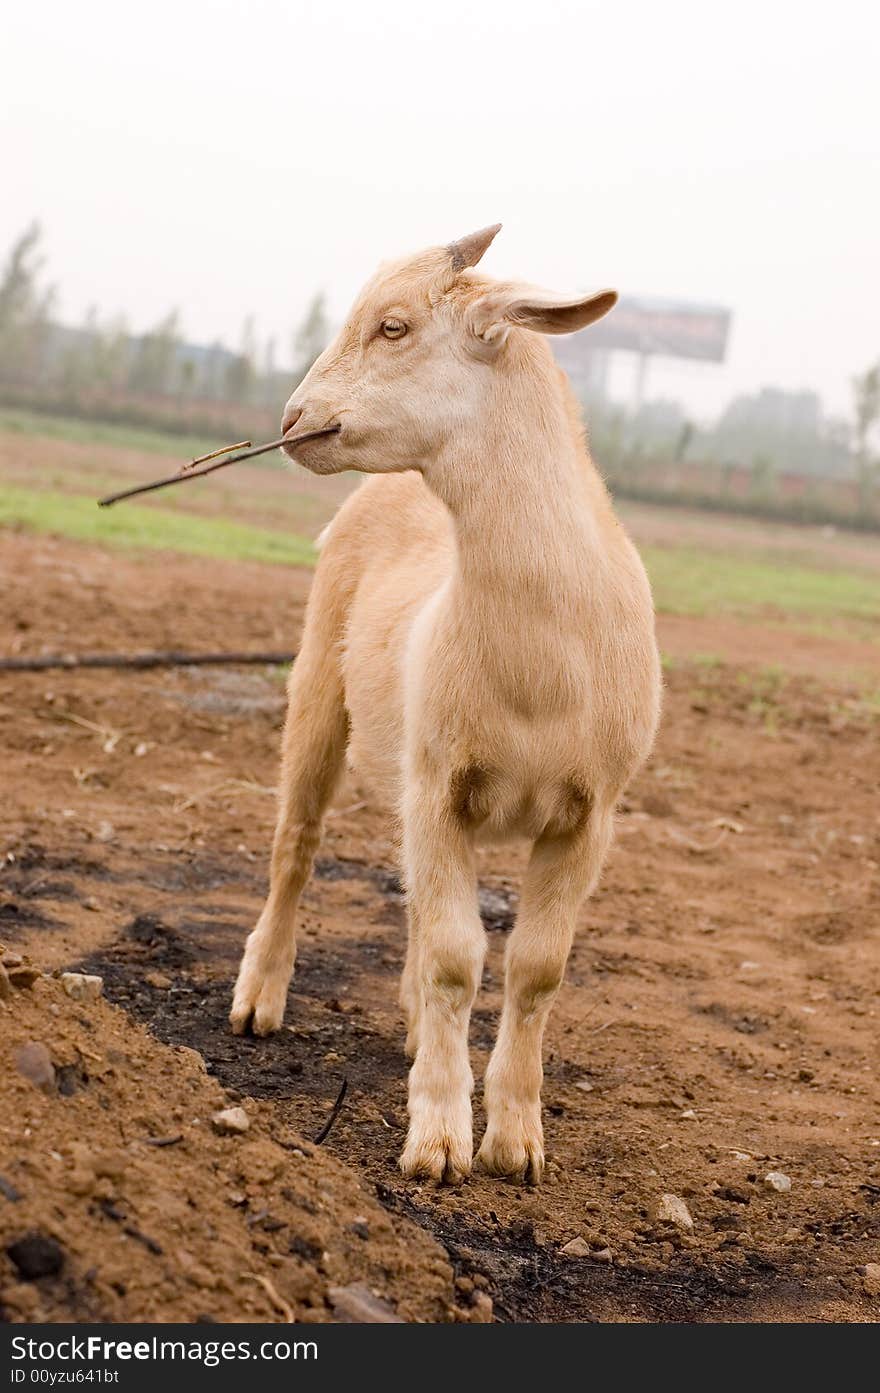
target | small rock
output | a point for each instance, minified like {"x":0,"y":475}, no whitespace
{"x":231,"y":1121}
{"x":81,"y":986}
{"x":871,"y":1278}
{"x":584,"y":1085}
{"x":775,"y":1180}
{"x":91,"y":904}
{"x":688,"y":1115}
{"x":8,"y":1190}
{"x":356,"y":1305}
{"x":576,"y":1248}
{"x":671,"y":1209}
{"x":36,"y":1255}
{"x":21,"y":975}
{"x":604,"y":1255}
{"x":5,"y":984}
{"x":360,"y":1229}
{"x":160,"y":981}
{"x":35,"y":1063}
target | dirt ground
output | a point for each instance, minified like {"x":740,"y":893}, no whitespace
{"x":718,"y":1022}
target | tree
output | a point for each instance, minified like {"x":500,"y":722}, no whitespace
{"x":155,"y":361}
{"x":311,"y":337}
{"x":24,"y":308}
{"x":79,"y":357}
{"x":240,"y":371}
{"x":866,"y":395}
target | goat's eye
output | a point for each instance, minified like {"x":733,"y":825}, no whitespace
{"x":393,"y":328}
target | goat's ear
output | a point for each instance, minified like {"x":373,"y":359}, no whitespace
{"x":494,"y":313}
{"x":467,"y":251}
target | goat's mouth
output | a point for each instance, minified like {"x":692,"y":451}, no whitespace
{"x":294,"y":443}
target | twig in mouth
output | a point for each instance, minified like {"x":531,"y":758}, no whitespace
{"x":334,"y":1113}
{"x":215,"y":454}
{"x":184,"y":475}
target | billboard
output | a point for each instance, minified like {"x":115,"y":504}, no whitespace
{"x":674,"y":328}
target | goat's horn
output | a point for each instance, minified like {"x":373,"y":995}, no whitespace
{"x":467,"y":251}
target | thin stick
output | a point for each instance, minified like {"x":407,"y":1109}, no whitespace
{"x":215,"y":454}
{"x":184,"y":477}
{"x":139,"y":660}
{"x":334,"y":1113}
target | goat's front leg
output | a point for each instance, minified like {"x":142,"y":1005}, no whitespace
{"x":410,"y":989}
{"x":443,"y":971}
{"x":561,"y":872}
{"x":313,"y":750}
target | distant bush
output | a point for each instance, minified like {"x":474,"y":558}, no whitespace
{"x":811,"y":506}
{"x":211,"y":419}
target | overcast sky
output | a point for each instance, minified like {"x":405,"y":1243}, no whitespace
{"x":230,"y":158}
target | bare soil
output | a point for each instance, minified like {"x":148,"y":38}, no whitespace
{"x":718,"y":1021}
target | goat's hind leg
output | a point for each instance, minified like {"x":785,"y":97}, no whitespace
{"x":313,"y":750}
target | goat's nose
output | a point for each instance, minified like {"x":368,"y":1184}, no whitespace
{"x":290,"y":418}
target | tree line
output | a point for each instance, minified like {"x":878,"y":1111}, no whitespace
{"x":102,"y":369}
{"x":102,"y":358}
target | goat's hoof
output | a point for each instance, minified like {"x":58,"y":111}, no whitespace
{"x":442,"y":1158}
{"x":519,"y":1156}
{"x":258,"y":1007}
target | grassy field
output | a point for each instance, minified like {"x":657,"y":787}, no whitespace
{"x":52,"y":470}
{"x":154,"y":529}
{"x":690,"y":581}
{"x":17,"y":422}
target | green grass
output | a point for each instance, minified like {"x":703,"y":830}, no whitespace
{"x":155,"y":529}
{"x":19,"y":422}
{"x":687,"y":580}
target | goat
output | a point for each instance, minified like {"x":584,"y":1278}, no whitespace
{"x":479,"y":640}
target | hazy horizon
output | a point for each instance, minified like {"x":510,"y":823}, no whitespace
{"x":232,"y":159}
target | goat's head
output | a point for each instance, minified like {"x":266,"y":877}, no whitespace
{"x":415,"y":360}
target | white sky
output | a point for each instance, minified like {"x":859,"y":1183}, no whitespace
{"x":230,"y":158}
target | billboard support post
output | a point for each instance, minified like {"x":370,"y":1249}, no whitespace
{"x":641,"y":380}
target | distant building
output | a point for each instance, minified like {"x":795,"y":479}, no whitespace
{"x":646,"y":326}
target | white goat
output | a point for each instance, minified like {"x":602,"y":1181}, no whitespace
{"x":480,"y":639}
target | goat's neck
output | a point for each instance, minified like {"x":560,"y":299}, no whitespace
{"x":521,"y":497}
